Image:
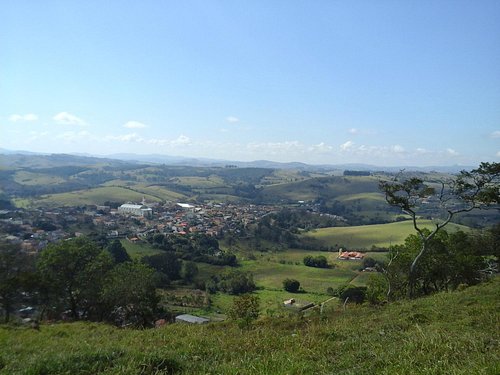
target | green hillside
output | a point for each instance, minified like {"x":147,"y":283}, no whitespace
{"x":97,"y":195}
{"x":323,"y":187}
{"x":448,"y":333}
{"x":366,"y":236}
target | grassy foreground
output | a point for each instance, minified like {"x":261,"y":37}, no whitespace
{"x":448,"y":333}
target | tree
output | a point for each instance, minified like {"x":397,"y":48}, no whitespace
{"x":118,"y":252}
{"x":376,"y":289}
{"x":129,"y":293}
{"x":236,"y":282}
{"x":319,"y":261}
{"x":166,"y":263}
{"x":245,"y":309}
{"x":291,"y":285}
{"x":14,"y":269}
{"x":479,"y":188}
{"x":189,"y":271}
{"x":452,"y":259}
{"x":353,"y":294}
{"x":71,"y":275}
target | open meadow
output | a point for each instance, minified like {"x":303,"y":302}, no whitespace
{"x":366,"y":236}
{"x":96,"y":196}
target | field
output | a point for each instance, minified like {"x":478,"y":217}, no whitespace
{"x":97,"y":195}
{"x":138,"y":250}
{"x":269,"y":269}
{"x":366,"y":236}
{"x":30,"y":178}
{"x":325,"y":187}
{"x":449,"y":333}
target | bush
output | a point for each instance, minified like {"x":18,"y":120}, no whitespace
{"x":376,"y":291}
{"x":354,"y":293}
{"x":320,"y":261}
{"x":291,"y":285}
{"x":245,"y":309}
{"x":235,"y":282}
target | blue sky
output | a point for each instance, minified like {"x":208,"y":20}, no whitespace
{"x":379,"y":82}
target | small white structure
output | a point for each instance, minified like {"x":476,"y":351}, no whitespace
{"x":185,"y":205}
{"x":135,"y":209}
{"x":187,"y":318}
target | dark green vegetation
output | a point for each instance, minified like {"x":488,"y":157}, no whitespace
{"x":291,"y":285}
{"x":79,"y":279}
{"x":319,"y":261}
{"x":447,"y":333}
{"x":451,"y":260}
{"x":477,"y":189}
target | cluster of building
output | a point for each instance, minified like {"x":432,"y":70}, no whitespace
{"x":34,"y":229}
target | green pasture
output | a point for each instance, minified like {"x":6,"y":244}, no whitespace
{"x":201,"y":182}
{"x":23,"y":202}
{"x":139,"y":249}
{"x":33,"y":179}
{"x":378,"y":197}
{"x":282,"y":176}
{"x":159,"y":192}
{"x":366,"y":236}
{"x":97,"y":195}
{"x":118,"y":182}
{"x":326,"y":187}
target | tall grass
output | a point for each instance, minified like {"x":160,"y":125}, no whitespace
{"x":448,"y":333}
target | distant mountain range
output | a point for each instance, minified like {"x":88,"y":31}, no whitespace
{"x":79,"y":159}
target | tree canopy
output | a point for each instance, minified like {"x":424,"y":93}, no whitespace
{"x":477,"y":189}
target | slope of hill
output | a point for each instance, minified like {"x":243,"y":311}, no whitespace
{"x":366,"y":236}
{"x":448,"y":333}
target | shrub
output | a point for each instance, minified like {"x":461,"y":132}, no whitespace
{"x":291,"y":285}
{"x":354,"y":293}
{"x":245,"y":309}
{"x":320,"y":261}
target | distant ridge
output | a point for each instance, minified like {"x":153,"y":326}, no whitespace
{"x":79,"y":159}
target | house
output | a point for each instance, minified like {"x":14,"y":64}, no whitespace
{"x":350,"y":255}
{"x":191,"y":319}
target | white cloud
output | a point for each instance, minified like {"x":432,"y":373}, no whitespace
{"x":353,"y":131}
{"x":232,"y":119}
{"x":452,"y":152}
{"x":132,"y":137}
{"x":26,"y":117}
{"x":66,"y":118}
{"x":347,"y":146}
{"x":422,"y":150}
{"x":398,"y":149}
{"x":273,"y":148}
{"x":321,"y":147}
{"x":134,"y":125}
{"x":182,"y":140}
{"x":73,"y":136}
{"x":495,"y":134}
{"x":498,"y":154}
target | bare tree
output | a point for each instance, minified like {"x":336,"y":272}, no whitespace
{"x":477,"y":189}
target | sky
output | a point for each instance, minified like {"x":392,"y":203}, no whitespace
{"x":388,"y":83}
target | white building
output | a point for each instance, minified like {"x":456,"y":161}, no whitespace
{"x":135,"y":209}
